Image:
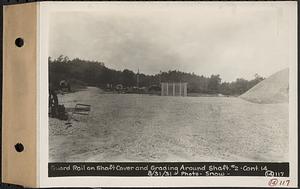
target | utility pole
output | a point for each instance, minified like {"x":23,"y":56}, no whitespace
{"x":137,"y":78}
{"x":159,"y":77}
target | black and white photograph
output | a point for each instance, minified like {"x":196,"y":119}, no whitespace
{"x":188,"y":83}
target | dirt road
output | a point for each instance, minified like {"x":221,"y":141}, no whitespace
{"x":132,"y":127}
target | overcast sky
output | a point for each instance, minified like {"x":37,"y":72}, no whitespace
{"x":233,"y":41}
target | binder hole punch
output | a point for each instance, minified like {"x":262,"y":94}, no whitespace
{"x":19,"y":147}
{"x":19,"y":42}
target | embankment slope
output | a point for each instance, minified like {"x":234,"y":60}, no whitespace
{"x":274,"y":89}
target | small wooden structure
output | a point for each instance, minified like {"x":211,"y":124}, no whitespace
{"x":173,"y":89}
{"x":80,"y":111}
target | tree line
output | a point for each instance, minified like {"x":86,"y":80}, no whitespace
{"x":81,"y":73}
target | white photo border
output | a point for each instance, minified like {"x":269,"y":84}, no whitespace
{"x":45,"y":8}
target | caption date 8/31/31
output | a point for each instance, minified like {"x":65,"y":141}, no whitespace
{"x":211,"y":170}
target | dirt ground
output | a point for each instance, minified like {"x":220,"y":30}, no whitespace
{"x":133,"y":127}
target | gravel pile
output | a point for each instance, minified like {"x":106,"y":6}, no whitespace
{"x":274,"y":89}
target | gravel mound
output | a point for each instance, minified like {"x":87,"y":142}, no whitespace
{"x":274,"y":89}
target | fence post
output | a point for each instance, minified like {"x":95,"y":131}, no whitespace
{"x":180,"y":89}
{"x":167,"y":89}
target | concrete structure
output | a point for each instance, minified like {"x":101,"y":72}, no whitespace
{"x":173,"y":89}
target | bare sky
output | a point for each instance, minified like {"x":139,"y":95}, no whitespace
{"x":233,"y":40}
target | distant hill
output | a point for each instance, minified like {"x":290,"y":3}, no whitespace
{"x":274,"y":89}
{"x":82,"y":73}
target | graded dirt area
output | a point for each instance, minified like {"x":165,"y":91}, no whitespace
{"x":133,"y":127}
